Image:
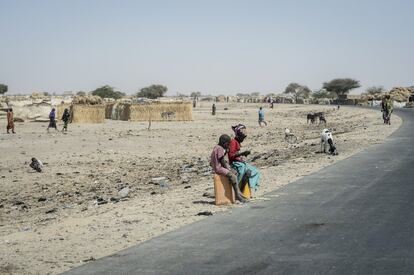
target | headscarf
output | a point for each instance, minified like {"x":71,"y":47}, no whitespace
{"x":239,"y":130}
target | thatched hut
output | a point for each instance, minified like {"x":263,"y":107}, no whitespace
{"x":84,"y":109}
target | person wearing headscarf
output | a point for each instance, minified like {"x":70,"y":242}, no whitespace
{"x":221,"y":167}
{"x":52,"y":120}
{"x":10,"y":121}
{"x":65,"y":119}
{"x":245,"y":171}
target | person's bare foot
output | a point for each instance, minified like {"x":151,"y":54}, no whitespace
{"x":241,"y":198}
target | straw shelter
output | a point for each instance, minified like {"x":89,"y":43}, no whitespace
{"x":120,"y":111}
{"x":61,"y":108}
{"x":161,"y":111}
{"x":82,"y":113}
{"x":84,"y":109}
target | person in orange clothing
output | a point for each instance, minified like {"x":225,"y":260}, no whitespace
{"x":10,"y":121}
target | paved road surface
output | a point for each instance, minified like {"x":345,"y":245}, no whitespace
{"x":354,"y":217}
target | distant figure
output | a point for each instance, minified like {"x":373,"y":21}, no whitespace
{"x":52,"y":120}
{"x":261,"y":118}
{"x":194,"y":103}
{"x":271,"y":103}
{"x":213,"y":109}
{"x":339,"y":107}
{"x":65,"y":119}
{"x":37,"y":165}
{"x":10,"y":121}
{"x":290,"y":137}
{"x":386,"y":109}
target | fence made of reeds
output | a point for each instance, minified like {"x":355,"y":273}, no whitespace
{"x":88,"y":113}
{"x":61,"y":108}
{"x":161,"y":111}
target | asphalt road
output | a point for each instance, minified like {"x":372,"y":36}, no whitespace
{"x":354,"y":217}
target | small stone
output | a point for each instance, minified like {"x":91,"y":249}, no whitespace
{"x":114,"y":199}
{"x":124,"y":192}
{"x":50,"y":211}
{"x":205,"y":213}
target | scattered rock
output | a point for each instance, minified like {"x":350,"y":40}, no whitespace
{"x":158,"y":180}
{"x":90,"y":259}
{"x":41,"y":199}
{"x":188,"y":186}
{"x":100,"y":201}
{"x":124,"y":192}
{"x":50,"y":211}
{"x":17,"y":202}
{"x":208,"y":195}
{"x":205,"y":213}
{"x":114,"y":199}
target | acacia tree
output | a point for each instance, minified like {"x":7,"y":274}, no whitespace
{"x":153,"y":91}
{"x":195,"y":94}
{"x":341,"y":86}
{"x":297,"y":90}
{"x":322,"y":93}
{"x":107,"y":92}
{"x":3,"y":89}
{"x":374,"y":90}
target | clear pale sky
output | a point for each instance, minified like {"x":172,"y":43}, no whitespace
{"x":216,"y":47}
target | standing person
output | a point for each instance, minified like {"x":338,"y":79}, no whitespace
{"x":213,"y":109}
{"x":261,"y":117}
{"x":221,"y":167}
{"x":388,"y":109}
{"x":52,"y":120}
{"x":10,"y":121}
{"x":65,"y":119}
{"x":245,"y":171}
{"x":271,"y":103}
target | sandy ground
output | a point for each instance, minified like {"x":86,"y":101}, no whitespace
{"x":72,"y":213}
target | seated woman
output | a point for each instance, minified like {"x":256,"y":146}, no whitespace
{"x":245,"y":171}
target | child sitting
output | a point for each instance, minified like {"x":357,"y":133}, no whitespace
{"x":221,"y":167}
